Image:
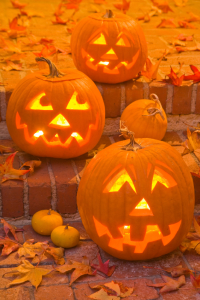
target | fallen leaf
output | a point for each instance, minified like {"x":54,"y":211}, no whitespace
{"x":12,"y":66}
{"x":193,"y":18}
{"x":195,"y":281}
{"x":71,"y":5}
{"x":57,"y":254}
{"x":152,"y":70}
{"x":17,"y":4}
{"x":177,"y":43}
{"x":45,"y":41}
{"x":9,"y":46}
{"x":178,"y":271}
{"x":170,"y":284}
{"x":193,"y":141}
{"x":195,"y":77}
{"x":31,"y":13}
{"x":46,"y":51}
{"x":79,"y":269}
{"x":15,"y":57}
{"x":166,"y":23}
{"x":124,"y":6}
{"x":4,"y":149}
{"x":103,"y":267}
{"x":180,"y":3}
{"x":174,"y":79}
{"x":27,"y":272}
{"x":163,"y":5}
{"x":9,"y":172}
{"x":10,"y":228}
{"x":31,"y":164}
{"x":185,"y":24}
{"x":8,"y":245}
{"x":14,"y":25}
{"x":59,"y":21}
{"x":59,"y":10}
{"x":111,"y":291}
{"x":183,"y":37}
{"x":30,"y":250}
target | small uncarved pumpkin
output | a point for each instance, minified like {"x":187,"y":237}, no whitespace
{"x":65,"y":236}
{"x":146,"y":118}
{"x":44,"y":221}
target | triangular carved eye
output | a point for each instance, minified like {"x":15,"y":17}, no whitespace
{"x":100,"y":40}
{"x":74,"y":105}
{"x":163,"y":177}
{"x":36,"y":105}
{"x":118,"y":181}
{"x":123,"y":41}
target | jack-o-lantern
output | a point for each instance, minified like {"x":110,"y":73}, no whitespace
{"x":146,"y":118}
{"x":56,"y":115}
{"x":136,"y":201}
{"x":109,"y":48}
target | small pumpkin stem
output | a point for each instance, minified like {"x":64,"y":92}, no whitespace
{"x":66,"y":227}
{"x":49,"y":212}
{"x":54,"y":72}
{"x":132,"y":145}
{"x":152,"y":111}
{"x":109,"y":14}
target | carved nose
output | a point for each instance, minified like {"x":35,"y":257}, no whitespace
{"x":110,"y":54}
{"x":59,"y":121}
{"x":141,"y":209}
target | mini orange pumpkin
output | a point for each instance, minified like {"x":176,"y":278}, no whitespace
{"x":44,"y":221}
{"x":56,"y":115}
{"x":109,"y":47}
{"x":146,"y":118}
{"x":65,"y":236}
{"x":144,"y":199}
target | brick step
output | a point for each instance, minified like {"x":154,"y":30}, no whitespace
{"x":54,"y":184}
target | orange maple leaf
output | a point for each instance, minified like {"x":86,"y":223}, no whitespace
{"x":166,"y":23}
{"x":9,"y":172}
{"x":17,"y":4}
{"x":12,"y":66}
{"x":46,"y":51}
{"x":124,"y":6}
{"x":59,"y":21}
{"x":184,"y":24}
{"x":193,"y":18}
{"x":9,"y":46}
{"x":163,"y":5}
{"x":59,"y":11}
{"x":174,"y":79}
{"x":14,"y":26}
{"x":8,"y":245}
{"x":152,"y":70}
{"x":195,"y":77}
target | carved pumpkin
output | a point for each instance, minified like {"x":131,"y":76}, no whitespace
{"x":136,"y":201}
{"x":109,"y":48}
{"x":146,"y":118}
{"x":56,"y":115}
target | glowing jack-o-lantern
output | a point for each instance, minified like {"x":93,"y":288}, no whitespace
{"x":136,"y":201}
{"x":56,"y":115}
{"x":109,"y":48}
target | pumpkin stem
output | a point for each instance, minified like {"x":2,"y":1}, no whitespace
{"x":109,"y":14}
{"x":132,"y":145}
{"x":66,"y":227}
{"x":49,"y":212}
{"x":152,"y":111}
{"x":54,"y":72}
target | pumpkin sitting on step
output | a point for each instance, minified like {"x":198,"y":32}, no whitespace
{"x":60,"y":114}
{"x":146,"y":118}
{"x":136,"y":201}
{"x":109,"y":47}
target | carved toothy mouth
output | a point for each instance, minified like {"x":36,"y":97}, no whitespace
{"x":55,"y":141}
{"x":152,"y":234}
{"x":92,"y":64}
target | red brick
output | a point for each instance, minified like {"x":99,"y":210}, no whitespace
{"x":172,"y":138}
{"x":39,"y":187}
{"x":66,"y":185}
{"x":182,"y":100}
{"x":134,"y":91}
{"x":79,"y":226}
{"x":160,"y":89}
{"x":12,"y":194}
{"x":55,"y":292}
{"x":81,"y":165}
{"x":112,"y":99}
{"x":87,"y":248}
{"x":15,"y":293}
{"x":197,"y":108}
{"x":29,"y":233}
